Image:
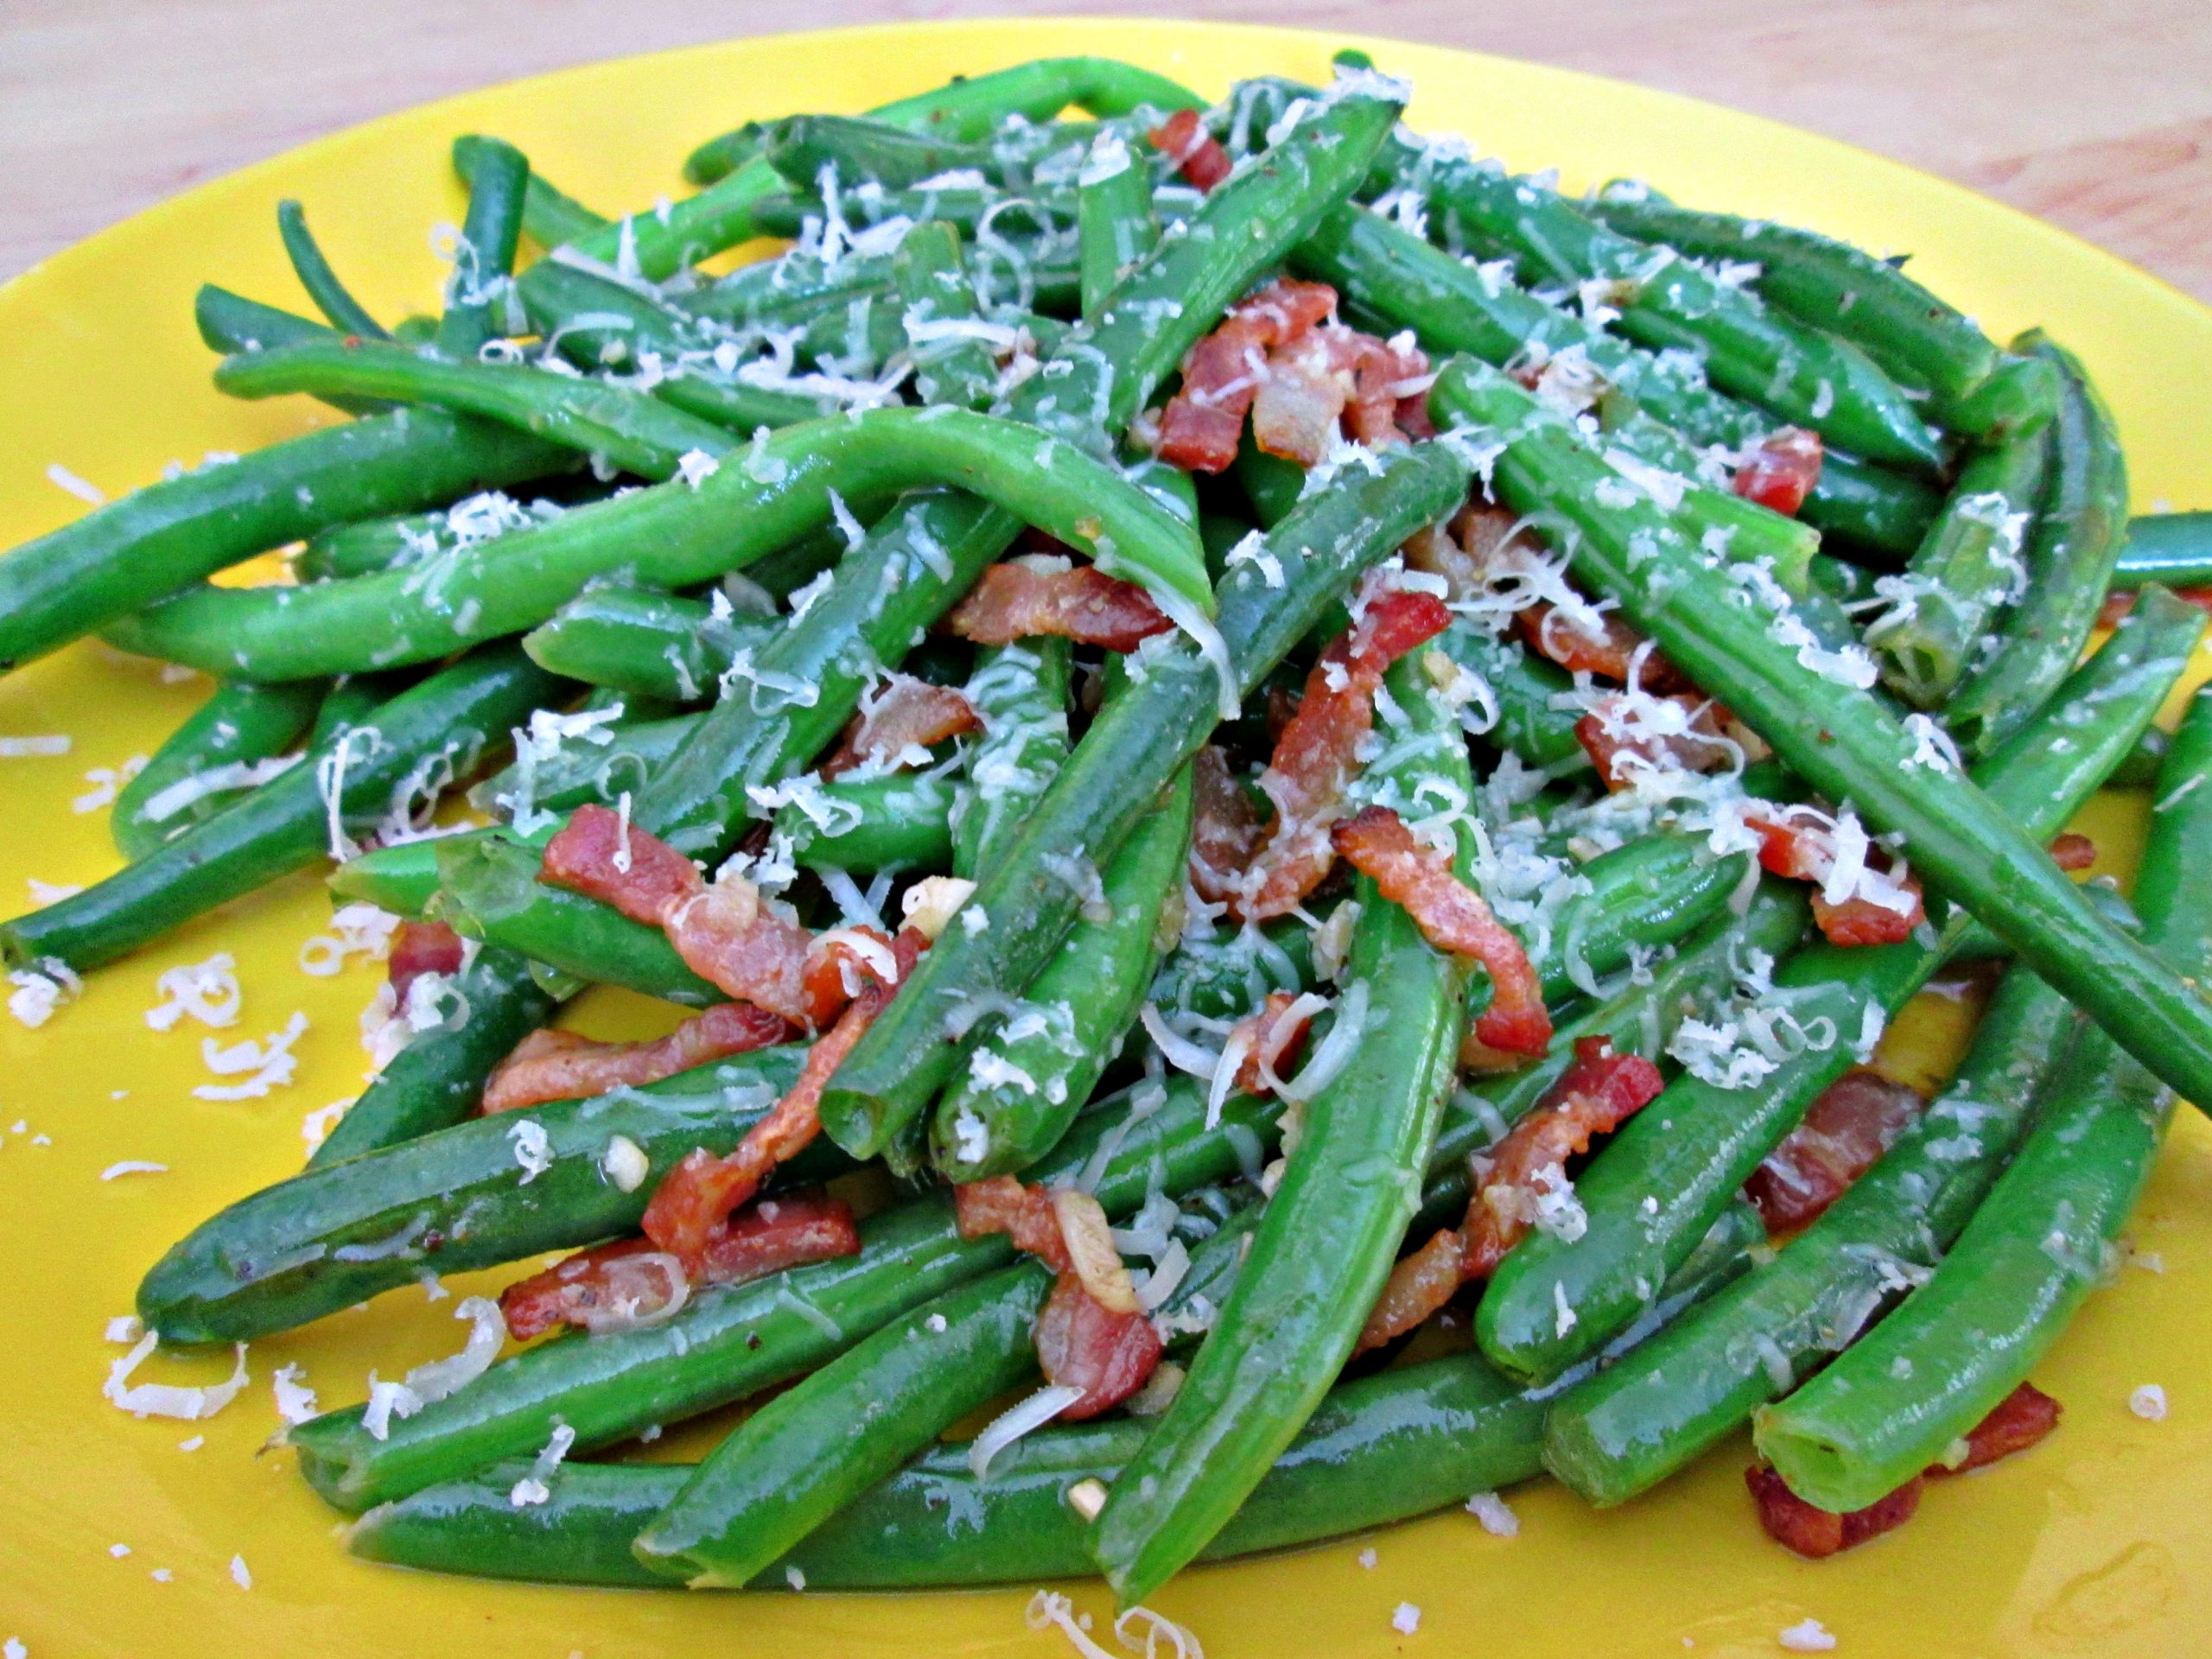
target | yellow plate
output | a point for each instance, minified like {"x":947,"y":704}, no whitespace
{"x":2083,"y":1548}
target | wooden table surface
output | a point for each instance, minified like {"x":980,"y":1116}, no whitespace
{"x":2093,"y":114}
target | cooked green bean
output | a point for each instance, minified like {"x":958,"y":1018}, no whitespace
{"x":549,"y":217}
{"x":646,"y":644}
{"x":1021,"y":693}
{"x":484,"y":258}
{"x":206,"y":762}
{"x":2171,"y":548}
{"x":345,"y":313}
{"x":953,"y":362}
{"x":1115,"y":226}
{"x":903,"y":822}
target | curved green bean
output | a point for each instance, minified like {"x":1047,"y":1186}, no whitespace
{"x":549,"y":217}
{"x":903,"y":822}
{"x":345,"y":313}
{"x":203,"y":763}
{"x":645,"y":644}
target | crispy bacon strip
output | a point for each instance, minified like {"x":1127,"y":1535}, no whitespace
{"x":1083,"y":603}
{"x":1109,"y":1355}
{"x":1314,"y":758}
{"x":1818,"y":1534}
{"x":1607,"y":647}
{"x":597,"y":855}
{"x":908,"y":714}
{"x":2119,"y":602}
{"x":1618,"y":751}
{"x":1223,"y":373}
{"x":1856,"y":1119}
{"x":1225,"y":832}
{"x":701,"y":1190}
{"x":1453,"y":917}
{"x":565,"y":1066}
{"x":420,"y":948}
{"x":622,"y":1283}
{"x":1594,"y":1096}
{"x":1299,"y":401}
{"x":1806,"y":852}
{"x":1782,"y":471}
{"x":1259,"y":1029}
{"x":1024,"y":1214}
{"x":2015,"y":1423}
{"x":2073,"y":852}
{"x":1183,"y":138}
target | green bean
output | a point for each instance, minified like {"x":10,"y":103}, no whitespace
{"x":418,"y":741}
{"x":903,"y":822}
{"x":230,"y":322}
{"x":1849,"y":750}
{"x":351,"y":700}
{"x":1109,"y":783}
{"x":1631,"y":1426}
{"x":729,"y":1342}
{"x":455,"y":1199}
{"x":2172,"y":548}
{"x":345,"y":313}
{"x":208,"y":759}
{"x":1639,"y":897}
{"x":858,"y":146}
{"x":1524,"y":687}
{"x":1645,"y":1194}
{"x":484,"y":258}
{"x":2069,"y":555}
{"x":1876,"y":511}
{"x":2039,"y":1242}
{"x":157,"y":539}
{"x":638,"y":433}
{"x":1968,"y":569}
{"x":438,"y":1078}
{"x":1825,"y":283}
{"x":1115,"y":225}
{"x":1326,"y":1241}
{"x":1021,"y":693}
{"x":950,"y":366}
{"x":1221,"y":977}
{"x":645,"y":644}
{"x":2139,"y":768}
{"x":1023,"y":1077}
{"x":584,"y":772}
{"x":549,"y":218}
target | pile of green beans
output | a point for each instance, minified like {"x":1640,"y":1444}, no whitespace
{"x":760,"y":495}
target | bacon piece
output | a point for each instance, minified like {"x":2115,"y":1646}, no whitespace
{"x":1782,"y":471}
{"x":2073,"y":852}
{"x":1595,"y":1095}
{"x":420,"y":948}
{"x":1453,"y":917}
{"x":1387,"y":385}
{"x":1606,"y":647}
{"x":1856,"y":1119}
{"x":565,"y":1066}
{"x":1225,"y":832}
{"x":1805,"y":850}
{"x":1818,"y":1534}
{"x":1083,"y":603}
{"x":1295,"y":410}
{"x":907,"y":714}
{"x":628,"y":1281}
{"x":1313,"y":759}
{"x":1619,"y":750}
{"x":1264,"y":1027}
{"x":701,"y":1190}
{"x":1024,"y":1214}
{"x":1418,"y":1285}
{"x":2015,"y":1423}
{"x":1079,"y":1344}
{"x":2119,"y":602}
{"x":752,"y":949}
{"x":596,"y":854}
{"x":1182,"y":137}
{"x":1223,"y":373}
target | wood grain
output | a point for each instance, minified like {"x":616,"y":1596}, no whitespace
{"x":2094,"y":114}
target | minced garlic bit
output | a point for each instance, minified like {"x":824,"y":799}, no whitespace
{"x":1087,"y":1498}
{"x":1808,"y":1636}
{"x":928,"y":906}
{"x":2149,"y":1403}
{"x":625,"y":1163}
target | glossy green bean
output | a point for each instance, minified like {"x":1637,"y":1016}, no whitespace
{"x":583,"y":773}
{"x":1115,"y":225}
{"x":483,"y":257}
{"x":2039,"y":1242}
{"x":1639,"y":897}
{"x":646,"y":644}
{"x":2069,"y":554}
{"x":858,"y":146}
{"x":220,"y":744}
{"x":549,"y":217}
{"x":345,"y":313}
{"x":1221,"y":974}
{"x":953,"y":364}
{"x":2174,"y":548}
{"x":903,"y":822}
{"x":1021,"y":692}
{"x":1524,"y":688}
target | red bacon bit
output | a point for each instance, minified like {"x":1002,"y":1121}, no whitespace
{"x":564,"y":1065}
{"x":1606,"y":647}
{"x":624,"y":1282}
{"x":1818,"y":1534}
{"x":701,"y":1190}
{"x":1298,"y":403}
{"x":1183,"y":138}
{"x":597,"y":855}
{"x":2016,"y":1422}
{"x":1805,"y":852}
{"x":1782,"y":472}
{"x":1453,"y":917}
{"x":1082,"y":603}
{"x":420,"y":948}
{"x":1081,"y":1344}
{"x":908,"y":714}
{"x":1024,"y":1214}
{"x":1225,"y":832}
{"x":1261,"y":1028}
{"x":1223,"y":373}
{"x":1704,"y":746}
{"x":1313,"y":759}
{"x":2073,"y":852}
{"x":1598,"y":1093}
{"x":1856,"y":1119}
{"x":1418,"y":1285}
{"x":2119,"y":602}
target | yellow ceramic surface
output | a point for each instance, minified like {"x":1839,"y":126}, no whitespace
{"x":2097,"y":1544}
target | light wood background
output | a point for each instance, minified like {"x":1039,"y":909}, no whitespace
{"x":2093,"y":114}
